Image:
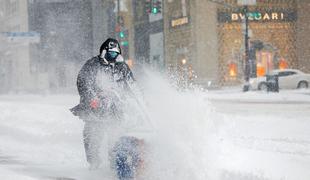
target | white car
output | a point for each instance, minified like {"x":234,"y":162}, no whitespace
{"x":288,"y":79}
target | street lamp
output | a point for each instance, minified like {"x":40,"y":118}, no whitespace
{"x":246,"y":85}
{"x":245,"y":4}
{"x":183,"y":61}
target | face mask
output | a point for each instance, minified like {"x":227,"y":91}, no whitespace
{"x":111,"y":56}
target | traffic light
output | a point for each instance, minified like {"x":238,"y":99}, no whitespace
{"x":124,"y":42}
{"x":121,"y":32}
{"x":156,"y":6}
{"x":153,"y":6}
{"x":148,"y":6}
{"x":123,"y":37}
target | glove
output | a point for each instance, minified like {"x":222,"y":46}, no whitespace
{"x":94,"y":103}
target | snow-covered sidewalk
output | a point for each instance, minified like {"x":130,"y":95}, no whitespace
{"x":38,"y":131}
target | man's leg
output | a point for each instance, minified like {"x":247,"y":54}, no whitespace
{"x":92,"y":135}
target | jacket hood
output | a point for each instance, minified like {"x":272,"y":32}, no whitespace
{"x":110,"y":43}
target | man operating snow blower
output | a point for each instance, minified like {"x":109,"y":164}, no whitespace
{"x":100,"y":82}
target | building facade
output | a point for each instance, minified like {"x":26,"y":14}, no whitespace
{"x":66,"y":30}
{"x":303,"y":38}
{"x":44,"y":43}
{"x":14,"y":46}
{"x":190,"y":38}
{"x":208,"y":37}
{"x":148,"y":34}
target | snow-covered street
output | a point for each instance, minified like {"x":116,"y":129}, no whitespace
{"x":247,"y":136}
{"x":264,"y":136}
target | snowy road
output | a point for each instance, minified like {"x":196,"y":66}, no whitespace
{"x":250,"y":136}
{"x":264,"y":136}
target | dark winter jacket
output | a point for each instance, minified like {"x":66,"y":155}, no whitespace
{"x":97,"y":76}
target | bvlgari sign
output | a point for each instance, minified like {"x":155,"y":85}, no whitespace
{"x":267,"y":16}
{"x":258,"y":16}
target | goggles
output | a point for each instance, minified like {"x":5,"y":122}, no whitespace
{"x":113,"y":46}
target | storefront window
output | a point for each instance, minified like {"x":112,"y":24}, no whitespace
{"x":264,"y":62}
{"x":232,"y":70}
{"x":283,"y":64}
{"x":260,"y":70}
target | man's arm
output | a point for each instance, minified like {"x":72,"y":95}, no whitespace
{"x":127,"y":73}
{"x":85,"y":83}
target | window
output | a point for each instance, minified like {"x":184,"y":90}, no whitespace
{"x":286,"y":73}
